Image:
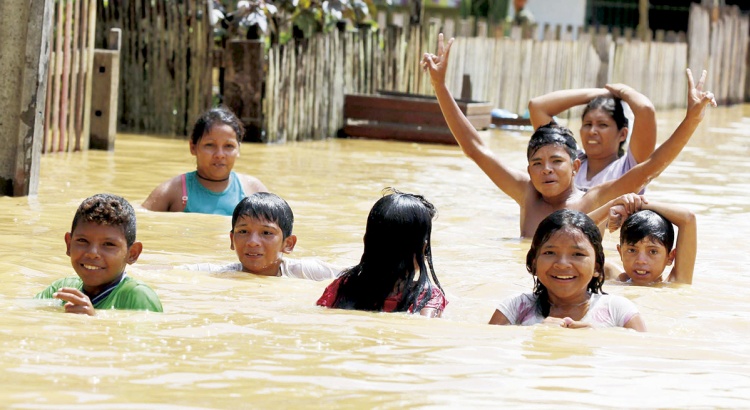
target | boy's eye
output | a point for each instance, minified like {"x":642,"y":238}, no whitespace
{"x":241,"y":231}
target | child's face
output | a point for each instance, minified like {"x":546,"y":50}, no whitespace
{"x":216,"y":152}
{"x":551,"y":170}
{"x":645,"y":261}
{"x":599,"y":134}
{"x":565,"y":264}
{"x":259,"y":245}
{"x":99,"y":254}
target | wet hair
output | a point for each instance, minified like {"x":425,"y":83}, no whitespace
{"x":647,"y":224}
{"x":265,"y":206}
{"x":107,"y":209}
{"x":398,"y":232}
{"x":556,"y":221}
{"x":213,"y":117}
{"x":612,"y":106}
{"x":552,"y":134}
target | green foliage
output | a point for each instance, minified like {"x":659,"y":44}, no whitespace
{"x":281,"y":20}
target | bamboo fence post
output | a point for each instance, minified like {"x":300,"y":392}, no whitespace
{"x":74,"y":77}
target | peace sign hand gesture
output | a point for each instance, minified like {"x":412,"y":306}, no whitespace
{"x":437,"y":65}
{"x":697,"y":98}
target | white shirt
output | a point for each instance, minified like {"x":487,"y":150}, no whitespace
{"x":304,"y":268}
{"x":604,"y":310}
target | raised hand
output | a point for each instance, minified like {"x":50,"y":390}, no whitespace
{"x":697,"y":99}
{"x":437,"y":64}
{"x":77,"y":302}
{"x":623,"y":207}
{"x":617,"y":90}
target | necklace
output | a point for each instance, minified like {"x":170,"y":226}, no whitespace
{"x":209,"y":179}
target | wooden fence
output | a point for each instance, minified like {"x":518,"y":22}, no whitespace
{"x":307,"y":81}
{"x":719,"y":44}
{"x":68,"y":102}
{"x":166,"y":65}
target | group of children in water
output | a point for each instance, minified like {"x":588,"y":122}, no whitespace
{"x":566,"y":198}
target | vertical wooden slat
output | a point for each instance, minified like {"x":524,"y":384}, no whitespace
{"x":64,"y":143}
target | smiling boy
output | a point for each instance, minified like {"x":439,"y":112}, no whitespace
{"x":261,"y":234}
{"x":101,"y":243}
{"x":548,"y":184}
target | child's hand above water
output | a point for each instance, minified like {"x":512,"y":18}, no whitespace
{"x":77,"y":302}
{"x":697,"y":98}
{"x":437,"y":65}
{"x":623,"y":207}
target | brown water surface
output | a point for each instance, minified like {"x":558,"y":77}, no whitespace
{"x":250,"y":342}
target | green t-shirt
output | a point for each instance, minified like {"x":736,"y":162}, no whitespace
{"x":129,"y":294}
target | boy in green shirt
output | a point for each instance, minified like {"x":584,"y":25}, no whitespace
{"x":100,"y":244}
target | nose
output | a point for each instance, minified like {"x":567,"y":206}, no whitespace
{"x":253,"y":240}
{"x":92,"y":251}
{"x":641,"y":258}
{"x":562,"y":262}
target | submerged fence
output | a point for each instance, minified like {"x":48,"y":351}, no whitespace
{"x":166,"y":68}
{"x":165,"y":72}
{"x":307,"y":81}
{"x":68,"y":102}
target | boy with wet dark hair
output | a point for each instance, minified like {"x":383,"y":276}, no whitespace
{"x":548,"y":185}
{"x":101,"y":243}
{"x":261,"y":234}
{"x":646,"y":240}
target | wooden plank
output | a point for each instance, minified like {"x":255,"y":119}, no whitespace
{"x":400,"y":133}
{"x":416,"y":104}
{"x":65,"y":144}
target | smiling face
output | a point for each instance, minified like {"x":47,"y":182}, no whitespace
{"x":565,"y":264}
{"x":645,"y":261}
{"x":259,"y":245}
{"x":99,"y":254}
{"x":599,"y":134}
{"x":551,"y":170}
{"x":216,"y":152}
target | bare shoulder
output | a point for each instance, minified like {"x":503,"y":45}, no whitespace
{"x":166,"y":197}
{"x":251,"y":184}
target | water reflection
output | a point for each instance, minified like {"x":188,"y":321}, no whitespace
{"x":237,"y":341}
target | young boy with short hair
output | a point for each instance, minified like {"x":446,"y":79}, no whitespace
{"x":646,"y":239}
{"x":261,"y":233}
{"x":548,"y":184}
{"x":101,"y":243}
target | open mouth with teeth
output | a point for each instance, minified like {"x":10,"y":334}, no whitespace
{"x":91,"y":267}
{"x":563,"y":277}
